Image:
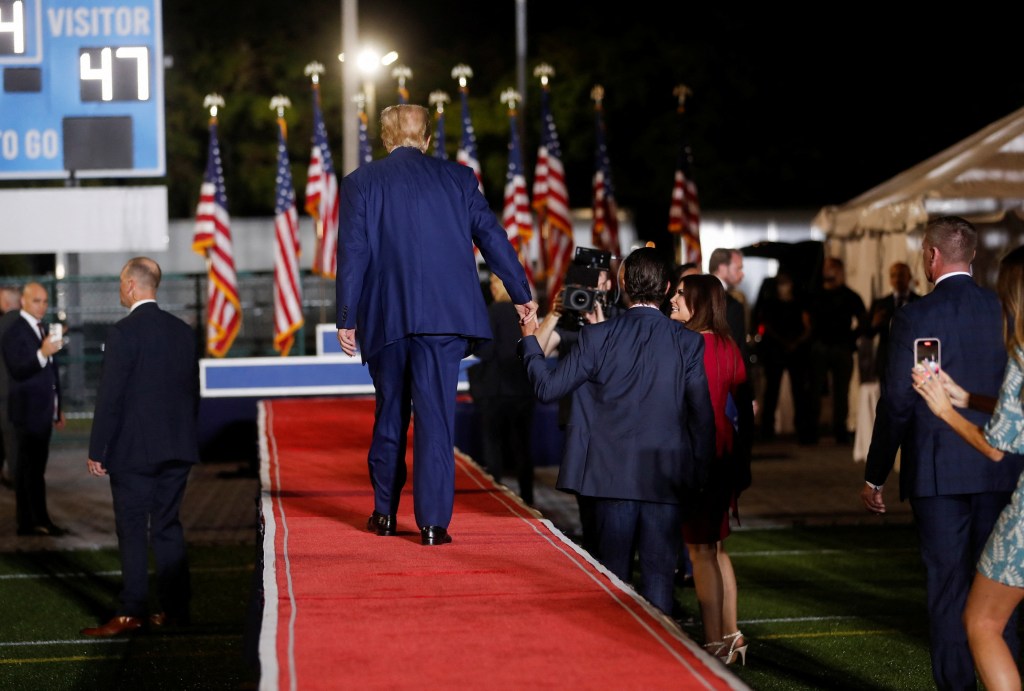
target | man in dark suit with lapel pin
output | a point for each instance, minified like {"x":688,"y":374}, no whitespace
{"x":882,"y":310}
{"x":33,"y":406}
{"x":144,"y":438}
{"x":641,"y":433}
{"x":408,"y":292}
{"x":955,"y":492}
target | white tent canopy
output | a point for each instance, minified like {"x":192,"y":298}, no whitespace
{"x":980,"y":178}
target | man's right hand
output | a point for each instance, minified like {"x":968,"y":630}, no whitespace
{"x":872,"y":499}
{"x":48,"y":347}
{"x":347,"y":340}
{"x":527,"y":312}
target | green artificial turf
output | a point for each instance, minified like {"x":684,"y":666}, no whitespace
{"x":822,"y":608}
{"x":48,"y":597}
{"x":828,"y":608}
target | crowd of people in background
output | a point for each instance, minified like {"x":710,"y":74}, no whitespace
{"x":820,"y":338}
{"x":656,"y":378}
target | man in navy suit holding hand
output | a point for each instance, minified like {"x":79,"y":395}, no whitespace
{"x":409,"y":295}
{"x":955,"y":492}
{"x":641,"y":433}
{"x":145,"y":438}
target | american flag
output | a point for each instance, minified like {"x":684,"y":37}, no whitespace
{"x":439,"y":150}
{"x":684,"y":213}
{"x":551,"y":200}
{"x":212,"y":240}
{"x":287,"y":288}
{"x":365,"y":149}
{"x":466,"y":155}
{"x":322,"y":195}
{"x":516,"y":216}
{"x":606,"y":221}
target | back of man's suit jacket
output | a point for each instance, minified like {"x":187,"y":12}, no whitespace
{"x":148,"y":395}
{"x":405,"y":251}
{"x":934,"y":460}
{"x":641,"y":426}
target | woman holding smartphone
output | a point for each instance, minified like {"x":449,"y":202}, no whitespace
{"x":998,"y":585}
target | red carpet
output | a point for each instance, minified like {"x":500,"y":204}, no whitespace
{"x":510,"y":603}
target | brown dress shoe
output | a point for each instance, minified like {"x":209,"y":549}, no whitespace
{"x":114,"y":627}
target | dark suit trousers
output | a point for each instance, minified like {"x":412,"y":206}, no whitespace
{"x":837,"y":361}
{"x":650,"y":529}
{"x":146,"y":512}
{"x":421,"y":374}
{"x":953,"y":531}
{"x":30,"y":479}
{"x":506,"y":423}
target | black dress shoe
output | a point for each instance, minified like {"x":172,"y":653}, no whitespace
{"x":434,"y":535}
{"x":167,"y":619}
{"x":43,"y":531}
{"x":382,"y":523}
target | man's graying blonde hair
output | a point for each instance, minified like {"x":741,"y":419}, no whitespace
{"x":404,"y":125}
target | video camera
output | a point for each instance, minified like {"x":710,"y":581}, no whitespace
{"x":581,"y":284}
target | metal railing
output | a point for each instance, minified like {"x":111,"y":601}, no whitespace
{"x":88,"y":305}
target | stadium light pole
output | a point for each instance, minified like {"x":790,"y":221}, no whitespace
{"x":367,"y":64}
{"x":349,"y":86}
{"x":370,"y":61}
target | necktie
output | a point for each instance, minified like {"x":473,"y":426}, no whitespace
{"x":42,"y":331}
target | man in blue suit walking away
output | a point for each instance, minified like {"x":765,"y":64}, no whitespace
{"x":955,"y":492}
{"x":409,"y":296}
{"x":641,"y":432}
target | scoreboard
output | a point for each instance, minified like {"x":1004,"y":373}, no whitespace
{"x":83,"y":89}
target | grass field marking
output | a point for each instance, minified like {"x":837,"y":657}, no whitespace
{"x":106,"y":658}
{"x":812,"y":552}
{"x":125,"y":639}
{"x":828,"y":634}
{"x":791,"y":620}
{"x":82,"y":574}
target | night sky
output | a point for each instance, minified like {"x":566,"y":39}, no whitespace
{"x":790,"y":109}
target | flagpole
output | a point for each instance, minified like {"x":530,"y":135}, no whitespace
{"x":313,"y":70}
{"x":213,"y":102}
{"x":681,"y":91}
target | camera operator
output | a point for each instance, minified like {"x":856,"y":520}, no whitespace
{"x":589,"y":296}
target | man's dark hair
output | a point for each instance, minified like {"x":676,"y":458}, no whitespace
{"x":955,"y":237}
{"x":645,"y":276}
{"x":720,"y":256}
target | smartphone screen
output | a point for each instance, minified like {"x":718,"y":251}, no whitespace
{"x":927,"y":352}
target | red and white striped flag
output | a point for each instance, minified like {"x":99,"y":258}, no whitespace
{"x":516,"y":216}
{"x":322,"y":195}
{"x":212,"y":240}
{"x":684,"y":212}
{"x":466,"y":154}
{"x":287,"y":286}
{"x":551,"y":200}
{"x":605,"y":231}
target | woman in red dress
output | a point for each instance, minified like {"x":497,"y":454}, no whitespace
{"x":699,"y":302}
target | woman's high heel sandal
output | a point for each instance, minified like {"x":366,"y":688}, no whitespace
{"x":716,"y":648}
{"x":731,"y":648}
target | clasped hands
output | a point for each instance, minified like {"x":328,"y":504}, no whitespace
{"x":938,"y":390}
{"x":527,"y":318}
